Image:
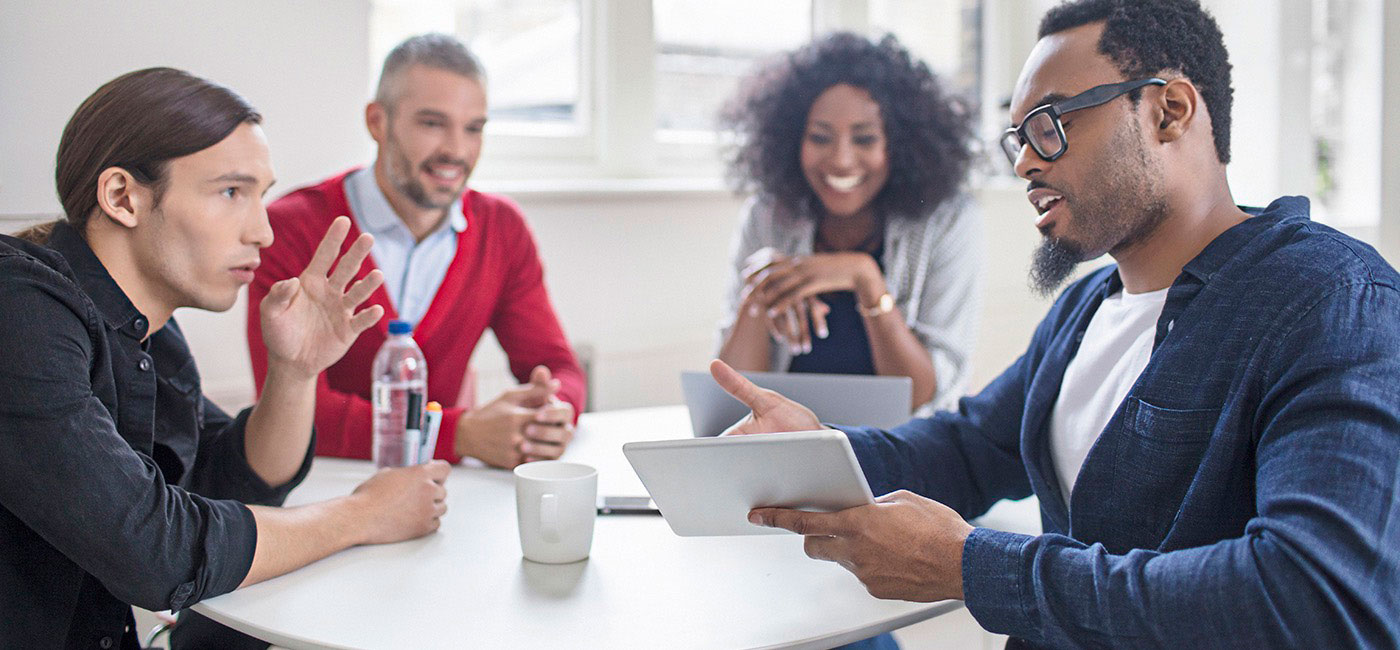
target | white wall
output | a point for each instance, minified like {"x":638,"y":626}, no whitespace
{"x":1390,"y":133}
{"x":637,"y":274}
{"x":303,"y":64}
{"x":639,"y":279}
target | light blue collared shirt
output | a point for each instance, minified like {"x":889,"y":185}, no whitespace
{"x":413,"y":270}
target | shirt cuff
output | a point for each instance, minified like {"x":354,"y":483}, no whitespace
{"x":230,"y":540}
{"x":877,"y":474}
{"x":996,"y":586}
{"x":447,"y":435}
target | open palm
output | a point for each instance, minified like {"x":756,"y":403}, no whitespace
{"x":308,"y":322}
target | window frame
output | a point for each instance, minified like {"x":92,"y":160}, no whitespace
{"x":617,"y":107}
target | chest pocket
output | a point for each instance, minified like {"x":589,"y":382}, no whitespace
{"x":1156,"y":455}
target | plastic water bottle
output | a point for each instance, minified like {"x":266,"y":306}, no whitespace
{"x":399,"y":370}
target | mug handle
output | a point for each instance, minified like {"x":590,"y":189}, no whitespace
{"x":549,"y":517}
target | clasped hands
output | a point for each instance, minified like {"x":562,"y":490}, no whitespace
{"x":783,"y":290}
{"x":903,"y":546}
{"x":526,"y":423}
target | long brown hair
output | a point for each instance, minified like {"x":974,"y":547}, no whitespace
{"x":139,"y":122}
{"x":37,"y":233}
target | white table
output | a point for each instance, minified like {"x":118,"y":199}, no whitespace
{"x":643,"y":587}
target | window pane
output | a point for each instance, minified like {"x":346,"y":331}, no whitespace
{"x":702,"y":51}
{"x":943,"y":33}
{"x":1347,"y":55}
{"x":530,"y":48}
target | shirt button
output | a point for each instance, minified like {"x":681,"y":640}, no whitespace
{"x":139,"y":325}
{"x":144,"y":364}
{"x":1169,"y":325}
{"x":105,"y":643}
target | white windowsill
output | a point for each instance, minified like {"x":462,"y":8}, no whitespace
{"x":605,"y":188}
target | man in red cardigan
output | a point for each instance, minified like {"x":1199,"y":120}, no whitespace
{"x":455,"y":262}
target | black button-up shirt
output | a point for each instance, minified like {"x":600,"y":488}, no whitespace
{"x":119,"y":481}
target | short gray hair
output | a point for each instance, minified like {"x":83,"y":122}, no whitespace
{"x":434,"y":50}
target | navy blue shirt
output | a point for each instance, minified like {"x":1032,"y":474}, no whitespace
{"x":1243,"y":494}
{"x":846,"y":349}
{"x":119,"y":481}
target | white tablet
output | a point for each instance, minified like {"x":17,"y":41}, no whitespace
{"x":707,"y":486}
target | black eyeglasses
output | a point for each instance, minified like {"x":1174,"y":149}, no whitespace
{"x":1042,"y":128}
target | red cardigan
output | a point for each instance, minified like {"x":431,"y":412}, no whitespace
{"x":496,"y":280}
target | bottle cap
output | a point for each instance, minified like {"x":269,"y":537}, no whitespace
{"x":400,"y":327}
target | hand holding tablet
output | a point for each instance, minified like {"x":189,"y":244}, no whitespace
{"x":707,"y":486}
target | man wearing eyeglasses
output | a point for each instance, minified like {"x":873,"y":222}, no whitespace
{"x":1212,"y":424}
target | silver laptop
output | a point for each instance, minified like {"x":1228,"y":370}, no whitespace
{"x":857,"y":400}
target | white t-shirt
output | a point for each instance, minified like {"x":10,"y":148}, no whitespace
{"x":1115,"y":350}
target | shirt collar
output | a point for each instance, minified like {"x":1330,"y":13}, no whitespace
{"x":1223,"y":248}
{"x":378,"y":216}
{"x":116,"y":308}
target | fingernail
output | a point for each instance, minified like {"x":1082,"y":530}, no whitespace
{"x":772,"y":313}
{"x":823,"y":333}
{"x":795,"y":349}
{"x":755,"y":519}
{"x":806,"y":348}
{"x":753,"y":311}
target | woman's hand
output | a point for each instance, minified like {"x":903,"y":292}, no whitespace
{"x":785,"y":289}
{"x":795,"y":327}
{"x":308,"y":322}
{"x":784,"y":283}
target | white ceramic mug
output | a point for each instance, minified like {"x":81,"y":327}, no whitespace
{"x":555,"y":505}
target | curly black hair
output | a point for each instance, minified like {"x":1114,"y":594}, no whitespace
{"x":929,"y":131}
{"x":1147,"y":37}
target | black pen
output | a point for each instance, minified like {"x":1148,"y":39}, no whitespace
{"x":413,"y":429}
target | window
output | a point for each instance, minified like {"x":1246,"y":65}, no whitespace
{"x":630,"y":88}
{"x":1346,"y":110}
{"x":946,"y":34}
{"x":532,"y":52}
{"x":703,"y":51}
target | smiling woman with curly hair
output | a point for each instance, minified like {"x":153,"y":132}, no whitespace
{"x":859,"y":252}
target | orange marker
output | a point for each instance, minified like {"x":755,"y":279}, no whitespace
{"x":433,"y":414}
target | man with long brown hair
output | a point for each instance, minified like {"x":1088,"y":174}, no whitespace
{"x":120,"y":483}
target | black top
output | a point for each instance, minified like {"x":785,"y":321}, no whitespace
{"x":119,"y":480}
{"x":846,"y":349}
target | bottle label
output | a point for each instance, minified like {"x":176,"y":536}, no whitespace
{"x":381,"y":397}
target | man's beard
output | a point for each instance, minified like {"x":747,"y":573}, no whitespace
{"x":1054,"y":260}
{"x":402,"y":177}
{"x":1122,"y":212}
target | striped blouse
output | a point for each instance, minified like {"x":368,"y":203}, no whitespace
{"x":933,"y":269}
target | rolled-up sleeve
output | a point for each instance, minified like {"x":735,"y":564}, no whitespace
{"x":221,"y":469}
{"x":67,"y":474}
{"x":945,"y":320}
{"x":754,"y":232}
